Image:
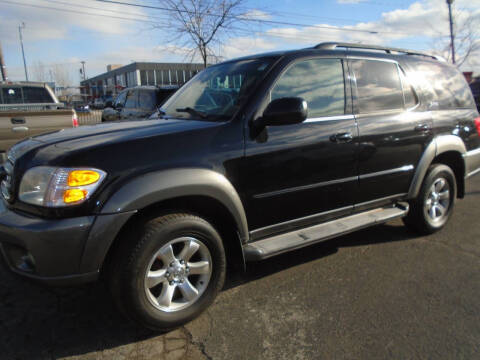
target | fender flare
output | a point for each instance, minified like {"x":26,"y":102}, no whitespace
{"x":437,"y":146}
{"x":152,"y":188}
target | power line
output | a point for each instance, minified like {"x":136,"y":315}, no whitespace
{"x":75,"y":11}
{"x":156,"y":22}
{"x":242,"y":18}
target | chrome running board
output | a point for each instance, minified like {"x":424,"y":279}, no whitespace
{"x":278,"y":244}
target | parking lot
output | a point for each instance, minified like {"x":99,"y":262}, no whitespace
{"x":379,"y":293}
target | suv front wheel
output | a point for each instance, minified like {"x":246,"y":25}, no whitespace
{"x":170,"y":273}
{"x":432,"y":208}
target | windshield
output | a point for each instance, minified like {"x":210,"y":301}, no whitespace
{"x":217,"y":92}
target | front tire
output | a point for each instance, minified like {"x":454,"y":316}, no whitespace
{"x":433,"y":207}
{"x":170,"y":274}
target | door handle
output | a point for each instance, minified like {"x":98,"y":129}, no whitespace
{"x":341,"y":137}
{"x":18,"y":120}
{"x":20,"y":129}
{"x":422,"y":127}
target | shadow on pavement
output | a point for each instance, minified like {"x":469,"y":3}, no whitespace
{"x":41,"y":322}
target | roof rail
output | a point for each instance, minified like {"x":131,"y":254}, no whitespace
{"x":388,"y":50}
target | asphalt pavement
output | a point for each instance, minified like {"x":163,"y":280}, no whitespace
{"x":380,"y":293}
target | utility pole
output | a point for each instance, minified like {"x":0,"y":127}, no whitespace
{"x":452,"y":42}
{"x":3,"y":69}
{"x":83,"y":70}
{"x":20,"y":27}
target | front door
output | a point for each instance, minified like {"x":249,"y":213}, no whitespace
{"x":303,"y":173}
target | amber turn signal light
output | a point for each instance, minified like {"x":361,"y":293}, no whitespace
{"x":74,"y":195}
{"x":82,"y":177}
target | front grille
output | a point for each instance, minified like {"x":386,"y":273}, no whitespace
{"x":6,"y":185}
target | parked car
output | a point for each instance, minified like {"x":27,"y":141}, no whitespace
{"x":475,"y":87}
{"x":28,"y":109}
{"x":98,"y":104}
{"x":252,"y":158}
{"x":137,"y":102}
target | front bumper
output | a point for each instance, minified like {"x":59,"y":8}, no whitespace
{"x":57,"y":251}
{"x":472,"y":162}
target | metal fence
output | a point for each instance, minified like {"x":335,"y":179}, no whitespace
{"x":91,"y":117}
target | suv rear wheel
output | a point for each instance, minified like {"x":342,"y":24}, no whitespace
{"x":432,"y":208}
{"x":170,"y":273}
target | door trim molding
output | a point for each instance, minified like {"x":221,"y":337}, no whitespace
{"x":404,"y":168}
{"x":304,"y":187}
{"x":330,"y":118}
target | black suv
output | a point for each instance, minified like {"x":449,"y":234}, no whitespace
{"x":253,"y":157}
{"x":137,"y":102}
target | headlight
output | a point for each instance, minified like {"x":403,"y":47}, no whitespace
{"x":56,"y":187}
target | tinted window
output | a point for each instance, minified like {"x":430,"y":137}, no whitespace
{"x":36,"y":95}
{"x":378,"y":85}
{"x":12,"y":95}
{"x":146,"y":100}
{"x":121,"y":98}
{"x":131,"y":99}
{"x":410,"y":97}
{"x":445,"y":86}
{"x":318,"y":81}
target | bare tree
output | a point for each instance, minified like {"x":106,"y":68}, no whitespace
{"x":466,"y":38}
{"x":61,"y":75}
{"x":199,"y":25}
{"x":39,"y":71}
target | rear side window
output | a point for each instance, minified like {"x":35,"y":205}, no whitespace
{"x":445,"y":87}
{"x":12,"y":95}
{"x":146,"y":100}
{"x":318,"y":81}
{"x":378,"y":86}
{"x":131,"y":99}
{"x":34,"y":95}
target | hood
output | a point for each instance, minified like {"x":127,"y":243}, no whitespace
{"x":85,"y":136}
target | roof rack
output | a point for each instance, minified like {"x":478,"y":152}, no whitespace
{"x":388,"y":50}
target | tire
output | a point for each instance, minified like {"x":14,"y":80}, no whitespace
{"x":149,"y":283}
{"x":433,"y":207}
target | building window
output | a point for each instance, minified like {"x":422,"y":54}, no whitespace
{"x":143,"y":77}
{"x":159,"y":77}
{"x":150,"y":77}
{"x":131,"y":79}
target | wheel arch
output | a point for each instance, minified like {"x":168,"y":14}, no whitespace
{"x":202,"y":192}
{"x":444,"y":149}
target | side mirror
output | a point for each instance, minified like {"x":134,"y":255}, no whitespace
{"x":119,"y":106}
{"x":109,"y":103}
{"x":285,"y":111}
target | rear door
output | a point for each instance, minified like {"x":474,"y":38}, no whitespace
{"x":12,"y":119}
{"x":393,"y":131}
{"x":42,"y":121}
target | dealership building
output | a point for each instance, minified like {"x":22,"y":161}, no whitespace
{"x":119,"y":77}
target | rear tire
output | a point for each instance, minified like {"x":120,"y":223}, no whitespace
{"x":169,"y":273}
{"x":433,"y":207}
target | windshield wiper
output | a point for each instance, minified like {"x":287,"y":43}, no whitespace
{"x":192,"y":111}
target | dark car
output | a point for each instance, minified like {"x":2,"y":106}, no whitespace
{"x":475,"y":87}
{"x":137,"y":102}
{"x":252,"y":158}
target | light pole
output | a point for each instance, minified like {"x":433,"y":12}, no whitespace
{"x":20,"y":27}
{"x":452,"y":43}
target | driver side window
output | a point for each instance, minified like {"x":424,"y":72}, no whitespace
{"x":318,"y":81}
{"x":121,"y":98}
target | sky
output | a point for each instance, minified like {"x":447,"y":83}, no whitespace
{"x":61,"y":33}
